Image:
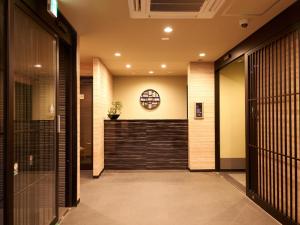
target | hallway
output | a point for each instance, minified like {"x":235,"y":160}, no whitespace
{"x":163,"y":197}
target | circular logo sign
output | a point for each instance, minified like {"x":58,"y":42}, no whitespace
{"x":150,"y":99}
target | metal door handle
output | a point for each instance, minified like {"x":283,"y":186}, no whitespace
{"x":58,"y":124}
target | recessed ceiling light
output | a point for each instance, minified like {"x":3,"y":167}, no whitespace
{"x":165,"y":38}
{"x":151,"y":72}
{"x":128,"y":66}
{"x":163,"y":66}
{"x":168,"y":29}
{"x":37,"y":66}
{"x":118,"y":54}
{"x":202,"y":54}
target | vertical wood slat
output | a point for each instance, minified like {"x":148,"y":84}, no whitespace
{"x":285,"y":129}
{"x":263,"y":123}
{"x":2,"y":109}
{"x":281,"y":127}
{"x":290,"y":128}
{"x":275,"y":85}
{"x":273,"y":128}
{"x":295,"y":125}
{"x":258,"y":120}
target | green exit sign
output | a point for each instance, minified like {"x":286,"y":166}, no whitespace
{"x":53,"y":7}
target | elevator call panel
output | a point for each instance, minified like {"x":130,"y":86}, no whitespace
{"x":199,"y":110}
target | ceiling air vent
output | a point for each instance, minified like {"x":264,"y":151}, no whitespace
{"x":174,"y":9}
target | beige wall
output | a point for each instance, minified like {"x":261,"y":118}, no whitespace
{"x":172,"y":91}
{"x":232,"y":111}
{"x":102,"y":98}
{"x":201,"y":131}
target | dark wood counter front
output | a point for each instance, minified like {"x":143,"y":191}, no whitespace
{"x":146,"y":144}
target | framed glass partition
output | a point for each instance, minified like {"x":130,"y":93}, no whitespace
{"x":35,"y":169}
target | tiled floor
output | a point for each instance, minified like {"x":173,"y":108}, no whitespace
{"x":239,"y":177}
{"x":163,"y":198}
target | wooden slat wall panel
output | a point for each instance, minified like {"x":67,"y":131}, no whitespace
{"x":274,"y":107}
{"x":146,"y":144}
{"x":61,"y":105}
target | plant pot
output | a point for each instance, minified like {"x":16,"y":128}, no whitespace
{"x":113,"y":116}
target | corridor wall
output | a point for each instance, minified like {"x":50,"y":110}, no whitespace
{"x":102,"y":98}
{"x":201,"y":88}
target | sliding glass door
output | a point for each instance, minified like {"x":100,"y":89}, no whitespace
{"x":35,"y":169}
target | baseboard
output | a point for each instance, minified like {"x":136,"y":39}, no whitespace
{"x":233,"y":163}
{"x":201,"y":170}
{"x":99,"y":175}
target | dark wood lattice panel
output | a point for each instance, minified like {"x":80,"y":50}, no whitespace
{"x":273,"y":102}
{"x":150,"y":99}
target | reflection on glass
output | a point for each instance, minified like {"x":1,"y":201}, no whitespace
{"x":34,"y":123}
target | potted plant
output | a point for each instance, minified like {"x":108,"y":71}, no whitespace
{"x":115,"y":110}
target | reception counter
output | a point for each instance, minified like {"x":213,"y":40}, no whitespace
{"x":146,"y":144}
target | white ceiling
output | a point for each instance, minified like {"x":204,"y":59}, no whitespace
{"x":105,"y":27}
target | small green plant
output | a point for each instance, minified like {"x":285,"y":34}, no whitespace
{"x":115,"y":108}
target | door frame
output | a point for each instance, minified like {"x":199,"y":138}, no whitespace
{"x":90,"y":78}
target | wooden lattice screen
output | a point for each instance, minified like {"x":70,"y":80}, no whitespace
{"x":273,"y":125}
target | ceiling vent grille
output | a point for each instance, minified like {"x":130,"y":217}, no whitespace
{"x":174,"y":9}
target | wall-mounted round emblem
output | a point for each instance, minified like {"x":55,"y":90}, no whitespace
{"x":150,"y":99}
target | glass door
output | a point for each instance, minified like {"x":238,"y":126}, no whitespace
{"x":35,"y":170}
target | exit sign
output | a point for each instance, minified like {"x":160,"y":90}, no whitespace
{"x":53,"y":7}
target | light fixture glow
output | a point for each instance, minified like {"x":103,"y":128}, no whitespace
{"x":168,"y":29}
{"x":202,"y":54}
{"x":128,"y":66}
{"x":163,"y":66}
{"x":118,"y":54}
{"x":165,"y":39}
{"x":151,"y":72}
{"x":37,"y":66}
